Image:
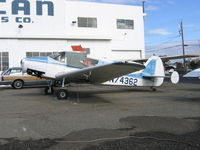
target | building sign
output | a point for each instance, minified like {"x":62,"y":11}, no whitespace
{"x":22,"y":10}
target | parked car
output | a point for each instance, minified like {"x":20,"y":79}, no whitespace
{"x":14,"y":77}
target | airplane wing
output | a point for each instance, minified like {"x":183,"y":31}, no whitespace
{"x":100,"y":73}
{"x":168,"y":58}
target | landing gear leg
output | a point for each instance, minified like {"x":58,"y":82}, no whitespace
{"x":49,"y":90}
{"x":62,"y":93}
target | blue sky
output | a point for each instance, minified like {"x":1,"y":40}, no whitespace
{"x":162,"y":23}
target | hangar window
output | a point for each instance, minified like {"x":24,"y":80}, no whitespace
{"x":87,"y":22}
{"x":4,"y":61}
{"x":125,"y":24}
{"x":37,"y":54}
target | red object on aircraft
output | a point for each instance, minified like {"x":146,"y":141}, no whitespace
{"x":77,"y":48}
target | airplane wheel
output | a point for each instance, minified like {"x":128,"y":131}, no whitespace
{"x":47,"y":91}
{"x":62,"y":94}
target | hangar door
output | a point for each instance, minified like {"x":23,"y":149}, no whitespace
{"x":126,"y":54}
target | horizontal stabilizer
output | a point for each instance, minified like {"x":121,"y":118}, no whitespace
{"x":151,"y":76}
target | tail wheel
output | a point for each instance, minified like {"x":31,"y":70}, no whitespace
{"x":18,"y":84}
{"x":62,"y":94}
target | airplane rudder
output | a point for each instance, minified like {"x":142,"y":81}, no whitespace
{"x":150,"y":66}
{"x":155,"y":69}
{"x":154,"y":66}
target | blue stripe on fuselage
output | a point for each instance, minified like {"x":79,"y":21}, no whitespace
{"x":48,"y":60}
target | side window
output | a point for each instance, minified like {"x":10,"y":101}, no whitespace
{"x":4,"y":61}
{"x":62,"y":57}
{"x":36,"y":54}
{"x":29,"y":54}
{"x":125,"y":24}
{"x":87,"y":22}
{"x":15,"y":71}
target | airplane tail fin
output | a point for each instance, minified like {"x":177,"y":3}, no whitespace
{"x":154,"y":69}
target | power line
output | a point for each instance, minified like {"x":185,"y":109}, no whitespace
{"x":161,"y":48}
{"x":158,"y":49}
{"x":161,"y":44}
{"x":192,"y":31}
{"x":193,"y":44}
{"x":165,"y":40}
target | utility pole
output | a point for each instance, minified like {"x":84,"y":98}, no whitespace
{"x":199,"y":42}
{"x":143,"y":9}
{"x":183,"y":44}
{"x":143,"y":6}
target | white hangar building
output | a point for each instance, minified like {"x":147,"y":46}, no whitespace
{"x":40,"y":27}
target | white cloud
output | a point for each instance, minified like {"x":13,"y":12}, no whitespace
{"x":160,"y":32}
{"x":151,"y":8}
{"x":171,"y":2}
{"x":114,"y":1}
{"x":120,"y":1}
{"x":189,"y":26}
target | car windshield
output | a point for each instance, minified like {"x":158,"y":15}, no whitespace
{"x":11,"y":71}
{"x":5,"y":71}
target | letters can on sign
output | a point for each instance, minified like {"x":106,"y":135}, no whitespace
{"x":24,"y":7}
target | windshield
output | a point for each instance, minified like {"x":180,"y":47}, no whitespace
{"x":74,"y":59}
{"x":60,"y":56}
{"x":12,"y":71}
{"x":5,"y":71}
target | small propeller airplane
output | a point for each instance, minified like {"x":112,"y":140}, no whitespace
{"x":61,"y":69}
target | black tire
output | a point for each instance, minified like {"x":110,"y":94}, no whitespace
{"x":47,"y":92}
{"x":154,"y":89}
{"x":62,"y":94}
{"x":57,"y":83}
{"x":18,"y":84}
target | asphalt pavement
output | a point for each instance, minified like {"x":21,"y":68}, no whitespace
{"x":102,"y":118}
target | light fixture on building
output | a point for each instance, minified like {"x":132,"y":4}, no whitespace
{"x":73,"y":22}
{"x":20,"y":26}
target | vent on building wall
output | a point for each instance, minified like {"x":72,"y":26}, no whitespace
{"x":20,"y":26}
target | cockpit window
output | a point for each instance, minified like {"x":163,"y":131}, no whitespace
{"x":73,"y":59}
{"x":59,"y":56}
{"x":54,"y":55}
